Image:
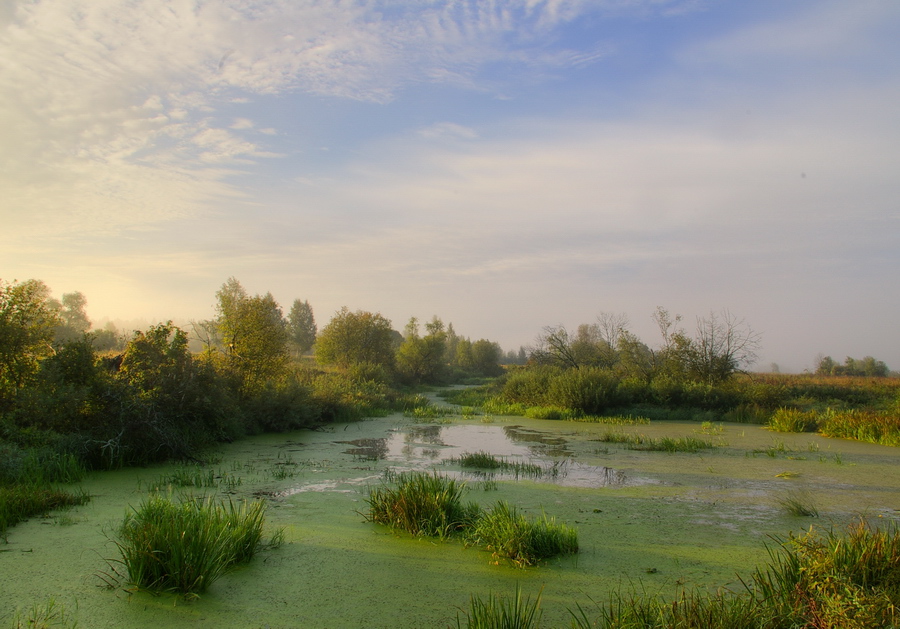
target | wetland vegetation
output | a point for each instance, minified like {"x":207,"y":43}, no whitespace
{"x":621,"y":486}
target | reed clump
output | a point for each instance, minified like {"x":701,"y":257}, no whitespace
{"x":185,"y":547}
{"x":510,"y":535}
{"x":663,"y":444}
{"x":500,"y":612}
{"x":422,"y":504}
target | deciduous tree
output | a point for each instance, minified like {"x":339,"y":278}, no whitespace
{"x":353,"y":338}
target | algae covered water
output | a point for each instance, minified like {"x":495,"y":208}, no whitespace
{"x":653,"y":521}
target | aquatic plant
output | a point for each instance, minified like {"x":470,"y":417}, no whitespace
{"x":509,"y":535}
{"x":422,"y":504}
{"x":793,"y":420}
{"x":487,"y":461}
{"x":44,"y":616}
{"x":663,"y":444}
{"x":185,"y":547}
{"x":862,"y":425}
{"x":20,"y":502}
{"x":799,"y":503}
{"x":847,"y":580}
{"x":612,"y":420}
{"x":499,"y":612}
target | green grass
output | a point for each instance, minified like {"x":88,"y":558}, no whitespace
{"x":422,"y":504}
{"x":20,"y":502}
{"x":663,"y":444}
{"x":185,"y":547}
{"x":499,"y":612}
{"x":793,"y":420}
{"x":799,"y":503}
{"x":613,"y":420}
{"x":511,"y":536}
{"x":487,"y":461}
{"x":848,"y":580}
{"x":47,"y":616}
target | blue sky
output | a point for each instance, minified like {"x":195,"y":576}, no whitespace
{"x":504,"y":165}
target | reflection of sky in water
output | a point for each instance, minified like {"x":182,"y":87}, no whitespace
{"x":422,"y":446}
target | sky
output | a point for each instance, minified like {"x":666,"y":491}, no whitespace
{"x":505,"y":165}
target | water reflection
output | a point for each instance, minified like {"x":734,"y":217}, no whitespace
{"x":424,"y":445}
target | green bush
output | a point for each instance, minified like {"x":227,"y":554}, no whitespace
{"x":793,"y":420}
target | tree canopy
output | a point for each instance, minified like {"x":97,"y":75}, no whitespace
{"x":353,"y":338}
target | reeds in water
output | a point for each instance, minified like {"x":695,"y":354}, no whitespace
{"x":185,"y":547}
{"x":509,"y":535}
{"x":422,"y":504}
{"x":499,"y":612}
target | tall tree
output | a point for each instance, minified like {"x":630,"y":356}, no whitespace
{"x":352,"y":338}
{"x":74,"y":321}
{"x":28,"y":319}
{"x":302,"y":326}
{"x":423,"y":359}
{"x":254,"y":334}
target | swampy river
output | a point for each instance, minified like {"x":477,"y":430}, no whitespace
{"x":649,"y":520}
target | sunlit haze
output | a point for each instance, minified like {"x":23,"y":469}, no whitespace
{"x":503,"y":165}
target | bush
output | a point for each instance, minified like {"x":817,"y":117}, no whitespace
{"x":793,"y":420}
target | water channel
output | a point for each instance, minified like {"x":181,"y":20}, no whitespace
{"x":648,"y":520}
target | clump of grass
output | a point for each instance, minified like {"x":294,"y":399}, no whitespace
{"x":422,"y":504}
{"x":550,"y":412}
{"x":185,"y":547}
{"x":46,"y":616}
{"x":499,"y":612}
{"x":690,"y":610}
{"x":831,"y":581}
{"x":487,"y":461}
{"x":663,"y":444}
{"x":20,"y":502}
{"x":613,"y":420}
{"x":793,"y":420}
{"x":509,"y":535}
{"x":430,"y":411}
{"x":799,"y":503}
{"x":862,"y":425}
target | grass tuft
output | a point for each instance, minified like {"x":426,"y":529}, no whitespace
{"x":509,"y":535}
{"x":799,"y":503}
{"x":185,"y":547}
{"x":498,"y":612}
{"x":422,"y":504}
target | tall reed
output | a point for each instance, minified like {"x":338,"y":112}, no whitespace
{"x":499,"y":612}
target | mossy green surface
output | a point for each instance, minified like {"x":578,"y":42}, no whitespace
{"x":661,"y":521}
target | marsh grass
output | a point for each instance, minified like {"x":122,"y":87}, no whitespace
{"x":47,"y":616}
{"x":199,"y":477}
{"x":663,"y":444}
{"x":20,"y":502}
{"x":613,"y":420}
{"x":793,"y":420}
{"x":499,"y":612}
{"x":870,"y":426}
{"x":486,"y":461}
{"x":185,"y":547}
{"x":422,"y":504}
{"x":509,"y":535}
{"x":799,"y":503}
{"x":848,"y":580}
{"x":689,"y":610}
{"x":430,"y":411}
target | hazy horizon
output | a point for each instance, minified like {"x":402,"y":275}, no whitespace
{"x":505,"y":166}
